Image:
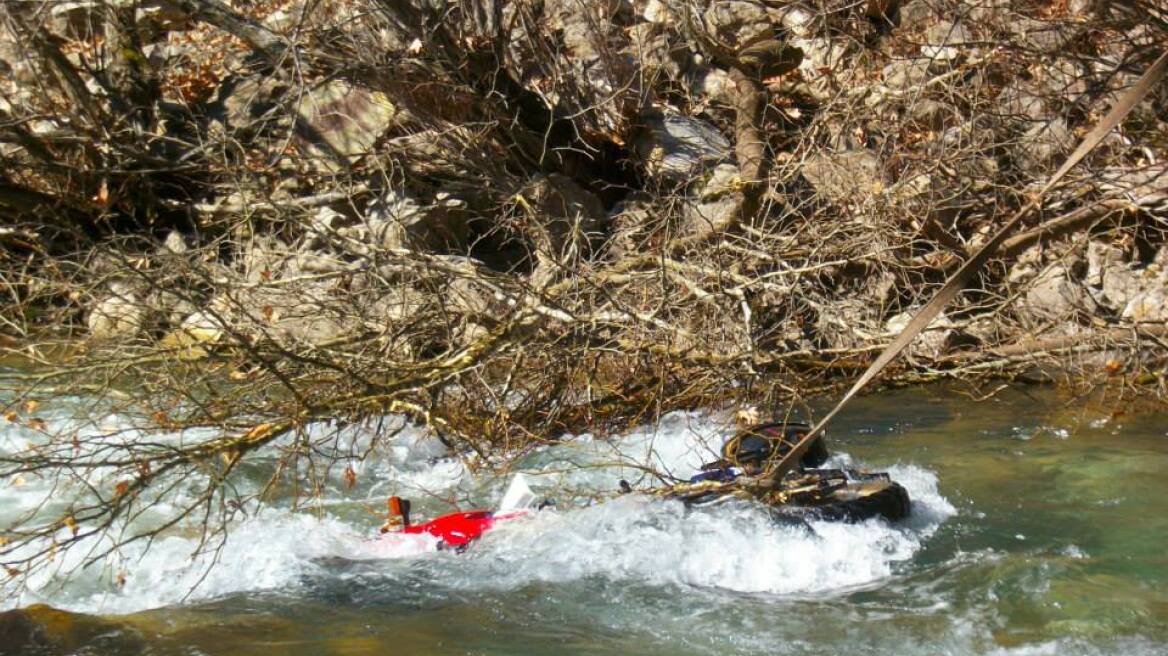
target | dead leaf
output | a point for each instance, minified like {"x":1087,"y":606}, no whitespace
{"x":36,"y":423}
{"x":11,"y":416}
{"x":258,"y":431}
{"x":121,"y":488}
{"x":350,"y":477}
{"x":102,"y":197}
{"x":71,"y":523}
{"x":30,"y":406}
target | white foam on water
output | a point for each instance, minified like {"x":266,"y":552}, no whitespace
{"x":630,"y":538}
{"x":735,"y":548}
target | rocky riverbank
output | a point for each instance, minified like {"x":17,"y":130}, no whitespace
{"x":712,"y":196}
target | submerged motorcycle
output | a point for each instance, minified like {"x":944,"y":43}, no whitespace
{"x":811,"y":492}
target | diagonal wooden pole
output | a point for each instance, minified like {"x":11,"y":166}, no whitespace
{"x":957,"y":282}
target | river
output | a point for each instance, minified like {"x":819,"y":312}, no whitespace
{"x":1039,"y":526}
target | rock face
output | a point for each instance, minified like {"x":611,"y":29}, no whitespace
{"x":676,"y":147}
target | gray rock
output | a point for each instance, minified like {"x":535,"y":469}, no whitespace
{"x":737,"y":23}
{"x":1149,"y":305}
{"x":843,"y":176}
{"x":916,"y":15}
{"x":717,"y":204}
{"x":938,"y":338}
{"x":1039,"y":146}
{"x":175,"y":243}
{"x":118,"y":315}
{"x":947,"y":40}
{"x":676,"y":147}
{"x":341,"y":122}
{"x":1055,"y":295}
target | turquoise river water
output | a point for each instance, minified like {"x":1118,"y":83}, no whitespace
{"x":1039,"y":526}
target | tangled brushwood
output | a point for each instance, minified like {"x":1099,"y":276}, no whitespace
{"x":509,"y":219}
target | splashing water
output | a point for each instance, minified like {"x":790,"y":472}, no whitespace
{"x":630,"y":539}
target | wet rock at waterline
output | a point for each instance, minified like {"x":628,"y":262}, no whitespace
{"x":40,"y":629}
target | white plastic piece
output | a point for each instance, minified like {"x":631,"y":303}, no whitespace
{"x":518,"y":496}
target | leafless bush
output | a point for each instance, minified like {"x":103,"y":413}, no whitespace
{"x":506,"y":220}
